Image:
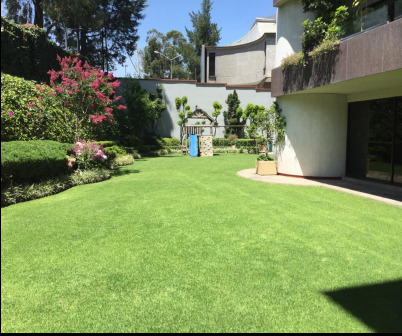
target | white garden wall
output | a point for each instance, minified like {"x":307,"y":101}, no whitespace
{"x":201,"y":95}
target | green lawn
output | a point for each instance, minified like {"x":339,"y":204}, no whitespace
{"x":176,"y":244}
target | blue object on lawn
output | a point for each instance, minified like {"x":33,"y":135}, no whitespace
{"x":193,"y":152}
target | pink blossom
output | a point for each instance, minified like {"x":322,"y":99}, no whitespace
{"x":117,"y":98}
{"x":30,"y":104}
{"x":115,"y":84}
{"x":70,"y":92}
{"x":95,"y":85}
{"x":11,"y":113}
{"x":39,"y":98}
{"x":122,"y":107}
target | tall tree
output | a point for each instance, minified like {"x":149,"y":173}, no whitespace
{"x":104,"y":31}
{"x":204,"y":31}
{"x":161,"y":48}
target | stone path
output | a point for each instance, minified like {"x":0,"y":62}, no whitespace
{"x":376,"y":191}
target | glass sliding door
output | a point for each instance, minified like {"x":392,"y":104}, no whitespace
{"x":380,"y":142}
{"x":397,"y":168}
{"x":375,"y":140}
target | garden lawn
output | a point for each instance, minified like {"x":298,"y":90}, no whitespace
{"x":175,"y":244}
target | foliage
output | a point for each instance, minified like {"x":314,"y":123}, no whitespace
{"x":318,"y":31}
{"x":32,"y":112}
{"x":170,"y":45}
{"x":204,"y":31}
{"x":113,"y":151}
{"x":171,"y":142}
{"x":216,"y":113}
{"x":183,"y":110}
{"x":30,"y":191}
{"x":233,"y":115}
{"x":269,"y":125}
{"x":320,"y":37}
{"x":123,"y":160}
{"x":108,"y":30}
{"x":143,"y":111}
{"x":26,"y":51}
{"x":265,"y":157}
{"x":254,"y":114}
{"x":92,"y":175}
{"x":30,"y":161}
{"x":87,"y":155}
{"x":86,"y":91}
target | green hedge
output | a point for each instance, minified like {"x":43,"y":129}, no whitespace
{"x":27,"y":52}
{"x":238,"y":142}
{"x":22,"y":123}
{"x":171,"y":142}
{"x":30,"y":191}
{"x":31,"y":161}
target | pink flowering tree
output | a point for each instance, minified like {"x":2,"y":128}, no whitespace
{"x":86,"y":92}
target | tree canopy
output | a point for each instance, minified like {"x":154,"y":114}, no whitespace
{"x":204,"y":31}
{"x":104,"y":31}
{"x":161,"y":48}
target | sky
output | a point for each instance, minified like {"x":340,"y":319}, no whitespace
{"x":235,"y":17}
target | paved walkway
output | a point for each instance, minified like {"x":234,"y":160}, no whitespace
{"x":376,"y":191}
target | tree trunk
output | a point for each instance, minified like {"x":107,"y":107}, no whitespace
{"x":84,"y":48}
{"x":38,"y":13}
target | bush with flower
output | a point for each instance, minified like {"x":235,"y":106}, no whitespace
{"x":31,"y":111}
{"x":87,"y":155}
{"x":87,"y":92}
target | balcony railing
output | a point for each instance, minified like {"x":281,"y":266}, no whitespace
{"x":376,"y":15}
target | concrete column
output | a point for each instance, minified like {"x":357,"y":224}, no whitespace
{"x":316,"y":135}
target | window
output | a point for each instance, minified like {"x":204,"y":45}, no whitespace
{"x":212,"y":64}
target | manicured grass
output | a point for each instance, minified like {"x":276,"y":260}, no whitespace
{"x":175,"y":244}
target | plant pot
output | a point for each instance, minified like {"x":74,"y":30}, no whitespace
{"x":266,"y":168}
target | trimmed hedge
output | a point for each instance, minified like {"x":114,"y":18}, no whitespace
{"x":28,"y":191}
{"x":22,"y":123}
{"x":27,"y":52}
{"x":31,"y":161}
{"x":238,"y":142}
{"x":171,"y":142}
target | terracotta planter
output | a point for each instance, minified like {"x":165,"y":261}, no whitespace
{"x":266,"y":168}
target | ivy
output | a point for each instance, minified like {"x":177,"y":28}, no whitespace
{"x":26,"y":52}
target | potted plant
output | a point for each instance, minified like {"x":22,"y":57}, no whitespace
{"x":265,"y":165}
{"x":271,"y":125}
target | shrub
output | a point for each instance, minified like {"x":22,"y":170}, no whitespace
{"x":89,"y":176}
{"x":171,"y":142}
{"x":114,"y":151}
{"x":87,"y":155}
{"x":26,"y":52}
{"x":31,"y":161}
{"x":153,"y":141}
{"x":238,"y":142}
{"x":25,"y":192}
{"x":87,"y":92}
{"x":29,"y":112}
{"x":123,"y":160}
{"x":107,"y":144}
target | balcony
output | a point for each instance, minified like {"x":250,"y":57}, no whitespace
{"x":365,"y":61}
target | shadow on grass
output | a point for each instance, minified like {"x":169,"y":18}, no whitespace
{"x":378,"y":306}
{"x":379,"y":189}
{"x":123,"y":172}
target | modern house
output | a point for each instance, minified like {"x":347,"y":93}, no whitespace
{"x":248,"y":61}
{"x":344,"y":112}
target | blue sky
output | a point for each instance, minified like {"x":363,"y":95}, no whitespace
{"x":235,"y":17}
